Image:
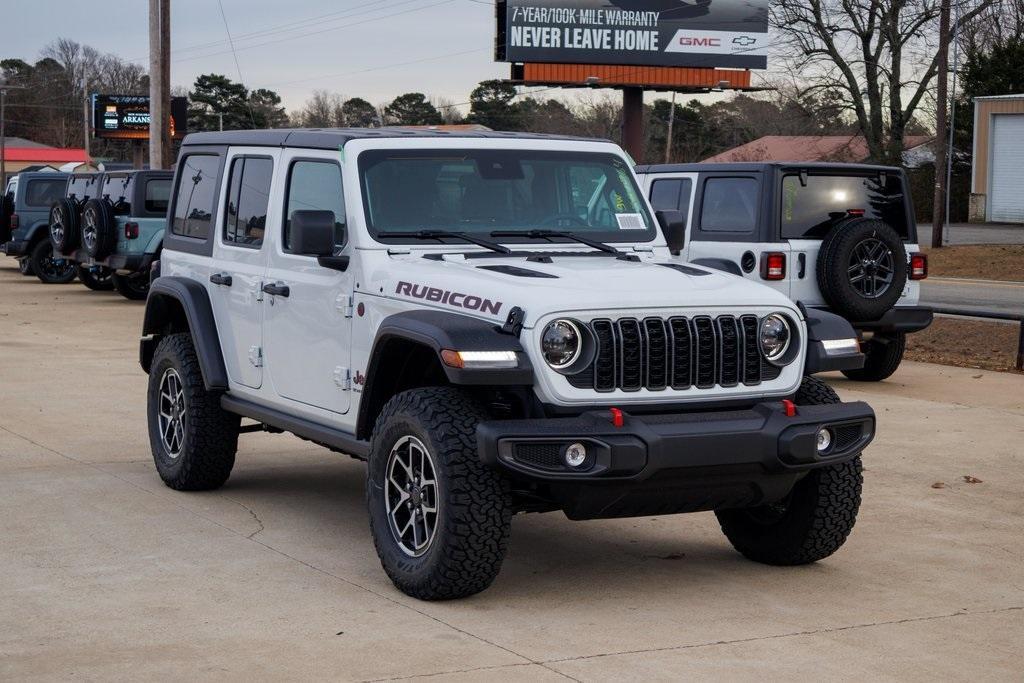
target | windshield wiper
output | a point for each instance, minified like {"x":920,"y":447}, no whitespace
{"x":548,"y":234}
{"x":442,"y":234}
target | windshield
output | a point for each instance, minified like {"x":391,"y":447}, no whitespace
{"x":809,"y":211}
{"x":481,"y":191}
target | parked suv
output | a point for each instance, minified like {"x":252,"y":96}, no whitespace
{"x":24,"y":226}
{"x":840,"y":237}
{"x":66,"y":228}
{"x":121,"y":228}
{"x":495,"y":323}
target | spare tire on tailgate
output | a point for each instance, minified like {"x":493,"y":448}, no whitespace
{"x":64,"y":225}
{"x":99,"y":228}
{"x":862,"y":268}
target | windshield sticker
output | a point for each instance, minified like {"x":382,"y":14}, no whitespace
{"x":630,"y":221}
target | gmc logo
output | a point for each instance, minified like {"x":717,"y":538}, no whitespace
{"x":700,"y":42}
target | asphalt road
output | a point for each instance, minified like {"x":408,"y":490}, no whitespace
{"x":974,"y":295}
{"x":971,"y":233}
{"x":109,"y":575}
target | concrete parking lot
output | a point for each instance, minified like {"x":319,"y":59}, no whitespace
{"x":107,"y":574}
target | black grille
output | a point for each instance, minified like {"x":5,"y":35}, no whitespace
{"x":846,"y":436}
{"x":545,"y":456}
{"x":657,"y":353}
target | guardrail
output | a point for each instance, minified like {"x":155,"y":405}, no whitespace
{"x":993,"y":315}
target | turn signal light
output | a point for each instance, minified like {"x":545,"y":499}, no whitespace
{"x":918,"y":266}
{"x":773,"y":266}
{"x":131,"y":230}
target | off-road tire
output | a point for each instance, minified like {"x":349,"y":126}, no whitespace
{"x":474,"y":506}
{"x":45,"y":267}
{"x":882,"y":356}
{"x":814,"y":520}
{"x":25,"y":266}
{"x":134,"y":287}
{"x":99,"y":280}
{"x":65,"y":213}
{"x":210,"y":433}
{"x":98,"y":228}
{"x":834,"y":264}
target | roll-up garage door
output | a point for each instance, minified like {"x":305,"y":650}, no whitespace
{"x":1006,"y":186}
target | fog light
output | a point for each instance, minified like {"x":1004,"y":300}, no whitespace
{"x":824,"y":440}
{"x":575,"y":455}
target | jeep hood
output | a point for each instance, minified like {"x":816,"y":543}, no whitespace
{"x":491,"y":287}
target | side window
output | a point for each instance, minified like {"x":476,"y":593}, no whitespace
{"x":196,"y":193}
{"x":248,"y":196}
{"x":729,"y":205}
{"x":43,"y":192}
{"x":158,"y":195}
{"x":315,"y":185}
{"x":672,"y":194}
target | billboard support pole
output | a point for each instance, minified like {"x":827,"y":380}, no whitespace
{"x":138,"y":155}
{"x":633,"y":122}
{"x":159,"y":83}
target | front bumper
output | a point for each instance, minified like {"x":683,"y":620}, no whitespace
{"x":657,"y":464}
{"x":16,"y":248}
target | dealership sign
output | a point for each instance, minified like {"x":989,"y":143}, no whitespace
{"x":127,"y":116}
{"x":705,"y":33}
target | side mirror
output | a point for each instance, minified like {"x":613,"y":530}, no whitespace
{"x":312,"y":233}
{"x":673,"y":226}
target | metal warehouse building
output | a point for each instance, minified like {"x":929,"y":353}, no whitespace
{"x":997,"y":175}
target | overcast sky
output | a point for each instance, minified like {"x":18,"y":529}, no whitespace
{"x":365,"y":48}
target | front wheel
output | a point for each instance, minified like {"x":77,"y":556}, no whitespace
{"x":134,"y":287}
{"x":192,"y":438}
{"x":50,"y":267}
{"x":98,"y":279}
{"x":25,"y":266}
{"x":882,"y":356}
{"x":814,"y":520}
{"x":440,"y":518}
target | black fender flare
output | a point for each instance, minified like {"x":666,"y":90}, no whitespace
{"x":722,"y":264}
{"x":824,"y":326}
{"x":194,"y":301}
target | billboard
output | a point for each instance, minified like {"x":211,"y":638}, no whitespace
{"x":692,"y":33}
{"x":126,"y":117}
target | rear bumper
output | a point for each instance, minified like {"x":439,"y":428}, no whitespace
{"x":16,"y":248}
{"x":131,"y":263}
{"x":899,"y":319}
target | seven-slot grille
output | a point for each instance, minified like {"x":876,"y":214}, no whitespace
{"x":676,"y":353}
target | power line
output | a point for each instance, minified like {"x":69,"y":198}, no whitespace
{"x":241,"y":79}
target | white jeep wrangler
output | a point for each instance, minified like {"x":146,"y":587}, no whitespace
{"x":494,"y":322}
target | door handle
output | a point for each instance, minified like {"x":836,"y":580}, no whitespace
{"x":276,"y":289}
{"x":221,"y":279}
{"x":802,"y":259}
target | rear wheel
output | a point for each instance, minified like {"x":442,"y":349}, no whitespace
{"x":97,"y":279}
{"x":98,"y":228}
{"x":814,"y":520}
{"x":49,"y":267}
{"x":862,"y":268}
{"x":134,"y":287}
{"x":64,"y":225}
{"x":440,"y":518}
{"x":882,"y":356}
{"x":192,"y":438}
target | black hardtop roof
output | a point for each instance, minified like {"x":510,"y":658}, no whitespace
{"x":158,"y":172}
{"x":87,"y":174}
{"x":751,"y":166}
{"x":332,"y":138}
{"x":40,"y":174}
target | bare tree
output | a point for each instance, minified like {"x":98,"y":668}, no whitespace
{"x":322,"y":110}
{"x":879,"y":55}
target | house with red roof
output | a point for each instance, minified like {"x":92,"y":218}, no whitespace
{"x":19,"y":156}
{"x":839,"y":148}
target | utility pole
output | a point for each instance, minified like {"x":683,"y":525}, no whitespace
{"x":671,"y":125}
{"x":86,"y":111}
{"x":3,"y":133}
{"x":159,"y":84}
{"x":941,"y":127}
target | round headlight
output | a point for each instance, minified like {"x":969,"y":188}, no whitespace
{"x":561,"y":343}
{"x":775,"y":336}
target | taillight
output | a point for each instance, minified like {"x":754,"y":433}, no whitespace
{"x":918,"y":266}
{"x":131,"y":230}
{"x":14,"y":221}
{"x":773,"y":266}
{"x":856,"y":213}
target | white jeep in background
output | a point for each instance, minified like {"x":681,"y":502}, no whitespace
{"x":831,"y":236}
{"x":496,"y":324}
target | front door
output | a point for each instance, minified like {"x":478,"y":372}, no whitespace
{"x":236,"y":287}
{"x":308,"y":331}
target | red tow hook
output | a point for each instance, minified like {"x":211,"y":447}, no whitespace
{"x":789,"y":407}
{"x":617,"y":419}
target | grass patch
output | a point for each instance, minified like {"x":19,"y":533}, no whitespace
{"x":982,"y":261}
{"x":966,"y":344}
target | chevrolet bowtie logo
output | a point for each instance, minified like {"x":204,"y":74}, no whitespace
{"x":744,"y":41}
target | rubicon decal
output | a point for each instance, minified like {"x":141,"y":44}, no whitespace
{"x":443,"y":296}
